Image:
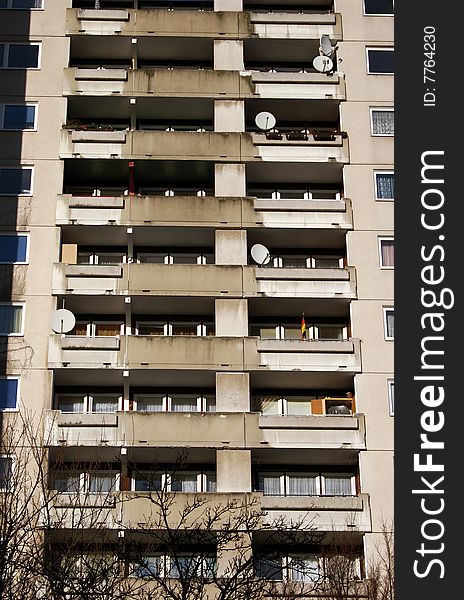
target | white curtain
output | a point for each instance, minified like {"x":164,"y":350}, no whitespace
{"x":71,"y":404}
{"x":390,"y":319}
{"x":385,"y":185}
{"x":10,"y":318}
{"x":270,"y":485}
{"x":388,"y":253}
{"x":183,"y":404}
{"x":149,"y":403}
{"x":338,"y":485}
{"x":383,"y":122}
{"x":104,"y":405}
{"x":302,"y":485}
{"x":184,"y":483}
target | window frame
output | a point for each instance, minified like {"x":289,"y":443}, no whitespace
{"x":382,"y":172}
{"x":11,"y":7}
{"x":166,"y":477}
{"x":18,"y":395}
{"x":87,"y":402}
{"x":166,"y":402}
{"x":344,"y":331}
{"x":23,"y":312}
{"x":391,"y":396}
{"x":6,"y":54}
{"x":385,"y":311}
{"x":374,"y":109}
{"x":20,"y":168}
{"x":366,"y":14}
{"x":385,"y":238}
{"x":3,"y":106}
{"x":377,"y":48}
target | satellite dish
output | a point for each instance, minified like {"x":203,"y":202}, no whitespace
{"x":326,"y":47}
{"x":265,"y":120}
{"x":323,"y":64}
{"x":63,"y":321}
{"x":260,"y":254}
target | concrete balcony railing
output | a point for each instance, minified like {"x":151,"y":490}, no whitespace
{"x":163,"y":22}
{"x":179,"y":23}
{"x":203,"y":280}
{"x":204,"y":430}
{"x":209,"y":146}
{"x":304,"y":26}
{"x":206,"y":83}
{"x":203,"y":353}
{"x":312,"y":355}
{"x":307,"y":283}
{"x":329,"y":513}
{"x":208,"y":211}
{"x":135,"y":510}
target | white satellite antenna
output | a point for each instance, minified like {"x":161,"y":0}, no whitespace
{"x":265,"y":121}
{"x":63,"y":321}
{"x":326,"y":48}
{"x":323,"y":64}
{"x":260,"y":254}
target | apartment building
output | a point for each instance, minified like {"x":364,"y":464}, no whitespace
{"x":140,"y":192}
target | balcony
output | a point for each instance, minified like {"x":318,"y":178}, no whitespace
{"x":329,"y":513}
{"x":209,"y":146}
{"x":204,"y":430}
{"x":231,"y":25}
{"x":163,"y":22}
{"x":202,"y":280}
{"x":203,"y":353}
{"x":296,"y":26}
{"x":157,"y":82}
{"x":311,"y":355}
{"x":206,"y":83}
{"x":213,"y":212}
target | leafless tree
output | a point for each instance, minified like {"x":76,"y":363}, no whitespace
{"x":380,"y":570}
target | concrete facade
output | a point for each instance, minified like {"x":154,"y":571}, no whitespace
{"x":151,"y":186}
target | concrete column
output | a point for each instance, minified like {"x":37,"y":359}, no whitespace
{"x":233,"y":470}
{"x":232,"y":392}
{"x":231,"y":247}
{"x":228,"y":5}
{"x":229,"y":115}
{"x":229,"y":179}
{"x":228,"y":55}
{"x":231,"y":317}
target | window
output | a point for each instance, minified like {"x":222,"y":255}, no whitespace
{"x":380,"y":61}
{"x":16,"y":181}
{"x":280,"y":405}
{"x":269,"y":568}
{"x":389,"y":323}
{"x":382,"y":121}
{"x":175,"y":402}
{"x":94,"y":482}
{"x":190,"y":564}
{"x":88,"y":403}
{"x":303,"y":568}
{"x":338,"y":484}
{"x":384,"y":185}
{"x":6,"y":468}
{"x":14,"y":248}
{"x":191,"y":328}
{"x":17,"y":117}
{"x":378,"y":7}
{"x":9,"y":393}
{"x":180,"y":481}
{"x":21,"y":4}
{"x":19,"y":56}
{"x":391,"y":396}
{"x":386,"y":253}
{"x":11,"y":319}
{"x":98,"y":328}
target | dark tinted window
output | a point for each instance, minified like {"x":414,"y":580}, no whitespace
{"x":380,"y":61}
{"x":21,"y":56}
{"x":15,"y":181}
{"x":378,"y":7}
{"x":19,"y":117}
{"x":13,"y":248}
{"x":8,"y":393}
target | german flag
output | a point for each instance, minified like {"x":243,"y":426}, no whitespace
{"x":303,"y":328}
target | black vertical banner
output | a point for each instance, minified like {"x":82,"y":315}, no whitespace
{"x":429,"y":226}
